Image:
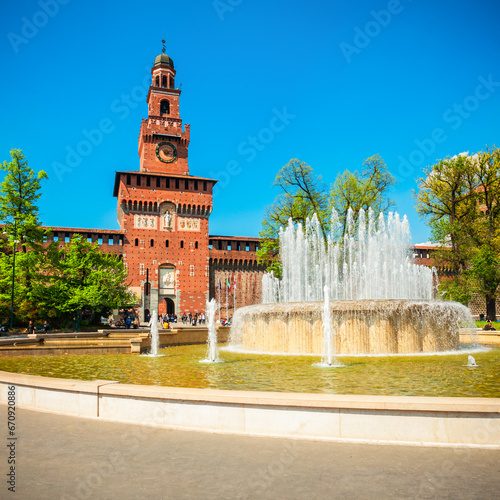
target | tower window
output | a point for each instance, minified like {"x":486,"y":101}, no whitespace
{"x":128,"y":179}
{"x":182,"y":244}
{"x":205,"y":186}
{"x":166,"y":243}
{"x":195,"y":244}
{"x":196,"y":185}
{"x":172,"y":82}
{"x":164,"y":107}
{"x":152,"y":243}
{"x":148,"y":181}
{"x":157,"y":81}
{"x":136,"y":243}
{"x":164,"y":81}
{"x":186,"y":184}
{"x":176,"y":183}
{"x":158,"y":182}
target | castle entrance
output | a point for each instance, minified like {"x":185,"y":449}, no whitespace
{"x":166,"y":306}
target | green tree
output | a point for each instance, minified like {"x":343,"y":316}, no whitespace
{"x":302,"y":195}
{"x":368,"y":189}
{"x":446,"y":199}
{"x":485,"y":269}
{"x":459,"y":200}
{"x":19,"y":192}
{"x":79,"y":276}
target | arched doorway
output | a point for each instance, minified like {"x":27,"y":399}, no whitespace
{"x":170,"y":306}
{"x":166,"y":306}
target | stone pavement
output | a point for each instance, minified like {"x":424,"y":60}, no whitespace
{"x":61,"y":457}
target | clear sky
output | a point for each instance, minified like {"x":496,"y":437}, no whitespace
{"x":328,"y":82}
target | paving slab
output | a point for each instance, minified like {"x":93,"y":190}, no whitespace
{"x":65,"y":457}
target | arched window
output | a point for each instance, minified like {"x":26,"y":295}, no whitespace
{"x":164,"y":81}
{"x":164,"y":107}
{"x":195,"y":244}
{"x":157,"y":81}
{"x":152,"y":242}
{"x":172,"y":82}
{"x":136,"y":242}
{"x":182,"y":244}
{"x":166,"y":243}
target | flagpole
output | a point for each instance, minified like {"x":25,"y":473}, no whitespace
{"x":234,"y":295}
{"x":219,"y":300}
{"x":227,"y":304}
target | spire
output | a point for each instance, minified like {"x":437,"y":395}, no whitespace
{"x":164,"y":48}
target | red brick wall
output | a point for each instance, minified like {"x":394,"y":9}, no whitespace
{"x":146,"y":247}
{"x":234,"y":258}
{"x":109,"y":241}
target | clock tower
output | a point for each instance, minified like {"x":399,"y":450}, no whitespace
{"x":163,"y":210}
{"x":163,"y":144}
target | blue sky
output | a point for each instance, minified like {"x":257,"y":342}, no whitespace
{"x":328,"y":82}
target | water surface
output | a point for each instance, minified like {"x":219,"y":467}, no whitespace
{"x":439,"y":375}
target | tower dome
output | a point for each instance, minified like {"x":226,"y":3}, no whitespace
{"x":163,"y":60}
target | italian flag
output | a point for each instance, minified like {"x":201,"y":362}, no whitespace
{"x":228,"y":284}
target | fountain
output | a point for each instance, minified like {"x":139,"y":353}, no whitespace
{"x":471,"y":361}
{"x":155,"y":337}
{"x":380,"y":301}
{"x":212,"y":354}
{"x":328,"y":359}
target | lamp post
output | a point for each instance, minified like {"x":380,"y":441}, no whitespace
{"x":13,"y":273}
{"x":13,"y":276}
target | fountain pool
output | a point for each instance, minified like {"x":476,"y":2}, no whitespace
{"x":421,"y":375}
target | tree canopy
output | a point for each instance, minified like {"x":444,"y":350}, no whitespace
{"x":52,"y":281}
{"x":368,"y":189}
{"x":304,"y":194}
{"x":458,"y":197}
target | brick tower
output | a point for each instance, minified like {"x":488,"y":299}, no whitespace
{"x":163,"y":211}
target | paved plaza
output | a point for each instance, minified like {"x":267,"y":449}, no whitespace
{"x":63,"y":457}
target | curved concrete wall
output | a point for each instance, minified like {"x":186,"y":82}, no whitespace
{"x":381,"y":419}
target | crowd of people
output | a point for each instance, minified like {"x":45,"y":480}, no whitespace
{"x":187,"y":318}
{"x":130,"y":318}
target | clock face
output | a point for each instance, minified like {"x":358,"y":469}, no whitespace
{"x":166,"y":152}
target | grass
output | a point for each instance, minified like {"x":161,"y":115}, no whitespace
{"x":495,"y":324}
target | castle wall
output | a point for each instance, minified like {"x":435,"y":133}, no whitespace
{"x":234,"y":259}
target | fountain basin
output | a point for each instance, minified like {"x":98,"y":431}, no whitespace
{"x":359,"y":326}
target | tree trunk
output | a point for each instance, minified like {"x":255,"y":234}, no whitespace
{"x":78,"y":320}
{"x":491,"y":312}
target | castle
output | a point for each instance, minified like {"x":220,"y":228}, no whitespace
{"x":174,"y":264}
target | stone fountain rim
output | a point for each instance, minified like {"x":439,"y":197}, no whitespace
{"x":347,"y":305}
